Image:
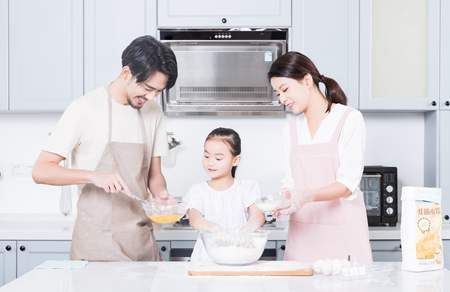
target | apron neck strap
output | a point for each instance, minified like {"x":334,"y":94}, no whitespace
{"x":340,"y":125}
{"x":293,"y":131}
{"x":109,"y":113}
{"x":141,"y":120}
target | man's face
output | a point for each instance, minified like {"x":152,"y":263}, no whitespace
{"x":139,"y":93}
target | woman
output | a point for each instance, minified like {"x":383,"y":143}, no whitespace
{"x":323,"y":164}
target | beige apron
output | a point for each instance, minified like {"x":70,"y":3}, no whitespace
{"x":114,"y":227}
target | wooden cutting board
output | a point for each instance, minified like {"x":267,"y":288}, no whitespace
{"x":259,"y":268}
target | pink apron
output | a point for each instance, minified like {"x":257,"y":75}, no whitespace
{"x":330,"y":229}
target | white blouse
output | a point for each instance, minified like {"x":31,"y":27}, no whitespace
{"x":351,"y":145}
{"x":227,"y":208}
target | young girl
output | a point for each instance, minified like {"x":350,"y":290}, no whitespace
{"x":223,"y":201}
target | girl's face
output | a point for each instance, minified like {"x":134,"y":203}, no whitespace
{"x":217,"y":158}
{"x":292,"y":93}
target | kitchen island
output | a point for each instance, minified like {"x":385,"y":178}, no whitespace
{"x":173,"y":276}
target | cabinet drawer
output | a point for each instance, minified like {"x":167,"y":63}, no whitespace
{"x":31,"y":254}
{"x":386,"y":250}
{"x":224,"y":14}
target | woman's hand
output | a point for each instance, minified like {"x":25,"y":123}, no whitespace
{"x":298,"y":198}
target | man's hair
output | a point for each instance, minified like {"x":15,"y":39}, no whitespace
{"x":146,"y":55}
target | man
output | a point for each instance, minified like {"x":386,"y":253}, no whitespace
{"x":116,"y":135}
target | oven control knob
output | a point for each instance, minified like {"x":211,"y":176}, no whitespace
{"x":215,"y":36}
{"x":389,"y":200}
{"x":389,"y":189}
{"x":389,"y":211}
{"x":224,"y":20}
{"x":163,"y":248}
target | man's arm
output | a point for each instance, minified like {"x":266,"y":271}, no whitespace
{"x":157,"y":182}
{"x":47,"y":170}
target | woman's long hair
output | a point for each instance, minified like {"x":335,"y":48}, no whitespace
{"x":295,"y":65}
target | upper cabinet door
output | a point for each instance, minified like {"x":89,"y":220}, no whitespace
{"x":327,"y":31}
{"x":45,"y":53}
{"x":4,"y":55}
{"x":445,"y":55}
{"x":109,"y":27}
{"x":224,"y":14}
{"x":399,"y":55}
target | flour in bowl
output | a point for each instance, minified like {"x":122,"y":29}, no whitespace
{"x":236,"y":254}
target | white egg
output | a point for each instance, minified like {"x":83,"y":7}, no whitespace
{"x":337,"y":265}
{"x":326,"y":267}
{"x":346,"y":263}
{"x":316,"y":266}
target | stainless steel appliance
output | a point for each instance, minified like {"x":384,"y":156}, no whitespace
{"x":223,"y":72}
{"x":379,"y":186}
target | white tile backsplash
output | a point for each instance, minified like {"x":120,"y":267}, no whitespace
{"x":393,"y":139}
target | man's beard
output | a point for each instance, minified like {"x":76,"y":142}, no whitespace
{"x":133,"y":106}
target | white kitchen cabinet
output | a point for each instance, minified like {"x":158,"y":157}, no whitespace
{"x":386,"y":250}
{"x":31,"y":254}
{"x":281,"y":247}
{"x":7,"y":262}
{"x":224,"y":14}
{"x":327,"y":32}
{"x":446,"y":249}
{"x":109,"y":27}
{"x":445,"y":56}
{"x":4,"y":55}
{"x":444,"y":164}
{"x":164,"y":246}
{"x":45,"y":54}
{"x":399,"y":55}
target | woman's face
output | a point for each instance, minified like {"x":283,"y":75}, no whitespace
{"x":292,"y":93}
{"x":217,"y":158}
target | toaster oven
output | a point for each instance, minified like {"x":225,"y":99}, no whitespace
{"x":223,"y":72}
{"x":379,"y":187}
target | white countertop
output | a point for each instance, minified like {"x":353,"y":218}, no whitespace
{"x":58,"y":227}
{"x":173,"y":276}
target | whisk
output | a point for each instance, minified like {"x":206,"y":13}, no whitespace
{"x":65,"y":200}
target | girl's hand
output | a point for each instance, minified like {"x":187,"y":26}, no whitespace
{"x":298,"y":198}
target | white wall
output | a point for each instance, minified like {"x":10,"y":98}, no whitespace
{"x":393,"y":139}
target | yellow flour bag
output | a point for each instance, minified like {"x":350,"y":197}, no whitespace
{"x":421,"y":229}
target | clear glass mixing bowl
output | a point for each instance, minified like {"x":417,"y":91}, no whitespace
{"x":233,"y":249}
{"x":166,"y":211}
{"x":269,"y":202}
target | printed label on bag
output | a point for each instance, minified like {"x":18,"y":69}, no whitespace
{"x":428,"y":233}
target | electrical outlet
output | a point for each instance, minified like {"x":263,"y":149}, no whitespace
{"x":21,"y":169}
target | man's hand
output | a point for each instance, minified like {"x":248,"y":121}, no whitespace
{"x":110,"y":183}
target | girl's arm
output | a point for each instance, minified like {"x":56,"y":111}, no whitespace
{"x":199,"y":223}
{"x":256,"y":221}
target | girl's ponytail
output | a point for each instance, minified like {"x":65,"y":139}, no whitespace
{"x":295,"y":65}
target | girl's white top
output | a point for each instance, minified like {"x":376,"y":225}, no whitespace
{"x":351,"y":145}
{"x":227,"y":208}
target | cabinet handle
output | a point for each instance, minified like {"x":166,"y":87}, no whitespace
{"x":446,"y":217}
{"x":22,"y":248}
{"x":433,"y":103}
{"x":400,"y":246}
{"x":224,"y":20}
{"x":283,"y":247}
{"x":163,"y":248}
{"x":8,"y":247}
{"x":447,"y":103}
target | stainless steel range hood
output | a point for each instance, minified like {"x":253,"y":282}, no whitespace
{"x":223,"y":72}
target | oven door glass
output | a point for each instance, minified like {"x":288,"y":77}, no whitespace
{"x":370,"y":186}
